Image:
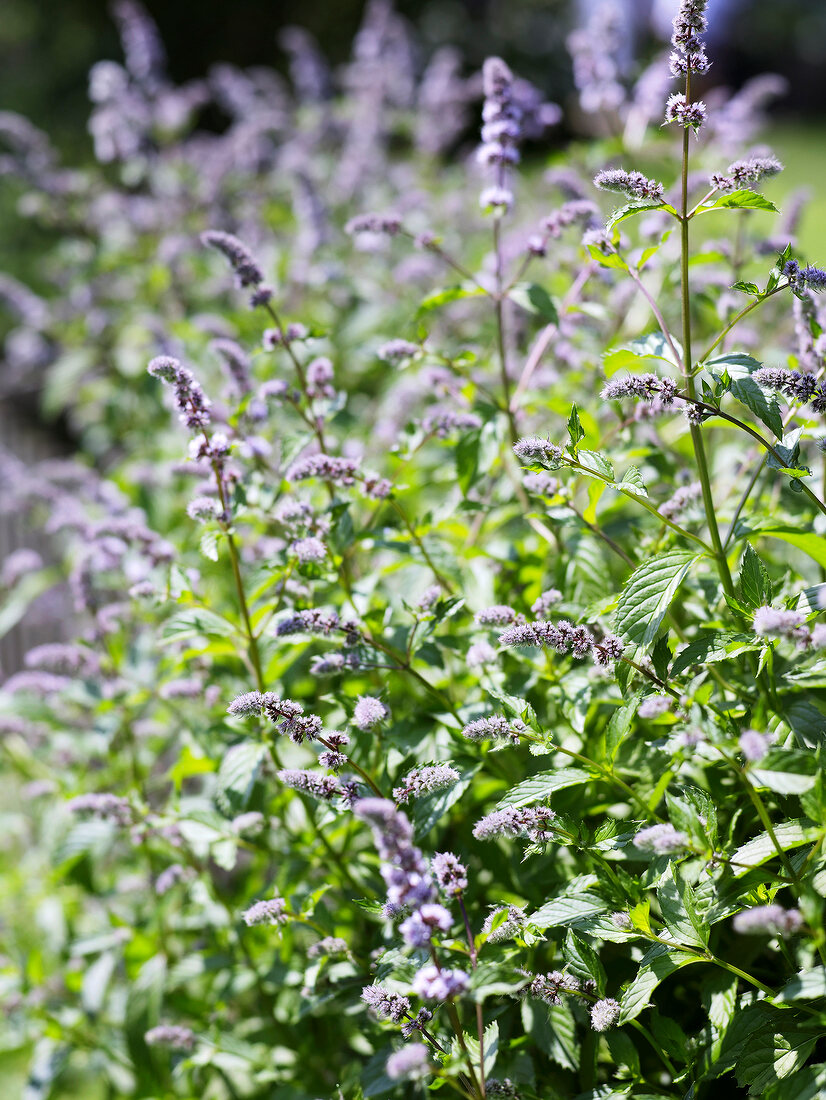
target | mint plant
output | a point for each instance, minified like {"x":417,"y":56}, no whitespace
{"x":442,"y":701}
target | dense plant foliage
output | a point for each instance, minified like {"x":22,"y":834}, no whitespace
{"x":446,"y":701}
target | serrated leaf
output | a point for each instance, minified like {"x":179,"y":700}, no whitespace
{"x":747,"y":288}
{"x":738,"y":382}
{"x":740,"y":200}
{"x":566,"y":910}
{"x":711,"y":646}
{"x":632,"y":482}
{"x":447,"y":295}
{"x":679,"y":909}
{"x":563,"y":1047}
{"x":467,"y":459}
{"x":762,"y":1063}
{"x":542,"y":785}
{"x":652,"y":346}
{"x":236,"y":776}
{"x":575,"y":429}
{"x":785,"y":771}
{"x":647,"y":596}
{"x":534,"y":298}
{"x":632,"y":208}
{"x":755,"y":584}
{"x":789,"y":834}
{"x":610,"y":259}
{"x":195,"y":620}
{"x":209,"y":543}
{"x":807,"y":985}
{"x":596,"y":462}
{"x":657,"y":964}
{"x":583,"y":961}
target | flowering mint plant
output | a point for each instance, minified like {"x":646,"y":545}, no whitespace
{"x":442,"y":699}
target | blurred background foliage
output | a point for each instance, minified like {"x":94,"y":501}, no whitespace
{"x":46,"y":49}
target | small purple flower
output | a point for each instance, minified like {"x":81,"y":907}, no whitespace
{"x":690,"y":115}
{"x":551,"y":987}
{"x":270,"y":911}
{"x":107,"y":807}
{"x":646,"y":386}
{"x":246,"y":705}
{"x":309,"y":550}
{"x":534,"y":449}
{"x":384,"y":1004}
{"x":531,"y":822}
{"x":604,"y":1014}
{"x":768,"y":920}
{"x":450,"y":874}
{"x":546,"y":601}
{"x":754,"y":745}
{"x":322,"y":787}
{"x":411,"y":1063}
{"x":434,"y":984}
{"x":241,"y":260}
{"x":369,"y":712}
{"x":396,"y":351}
{"x":418,"y":929}
{"x":662,"y":839}
{"x":633,"y":184}
{"x":422,"y":781}
{"x":654,"y":706}
{"x":171,"y":1036}
{"x":774,"y":623}
{"x":497,"y":615}
{"x":494,"y":728}
{"x":480,"y":654}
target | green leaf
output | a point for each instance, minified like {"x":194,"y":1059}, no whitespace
{"x":785,"y":771}
{"x":619,"y":725}
{"x":542,"y":785}
{"x":610,"y":259}
{"x":679,"y":909}
{"x":467,"y":460}
{"x":447,"y":295}
{"x":430,"y":810}
{"x":209,"y":543}
{"x":755,"y":584}
{"x":736,"y":379}
{"x":647,"y":596}
{"x":711,"y":646}
{"x":789,"y":834}
{"x":535,"y":299}
{"x":632,"y":208}
{"x":807,"y":985}
{"x":808,"y":1083}
{"x":566,"y":910}
{"x":583,"y":961}
{"x":563,"y":1047}
{"x":773,"y":1058}
{"x":596,"y":462}
{"x":652,"y":346}
{"x":632,"y":482}
{"x":195,"y":620}
{"x":747,"y":288}
{"x":809,"y":543}
{"x":575,"y":429}
{"x":237,"y":775}
{"x":657,"y":964}
{"x":494,"y":980}
{"x":740,"y":200}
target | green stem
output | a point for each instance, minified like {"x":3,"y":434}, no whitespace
{"x":696,"y":435}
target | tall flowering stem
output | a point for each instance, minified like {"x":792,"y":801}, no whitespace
{"x":692,"y":12}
